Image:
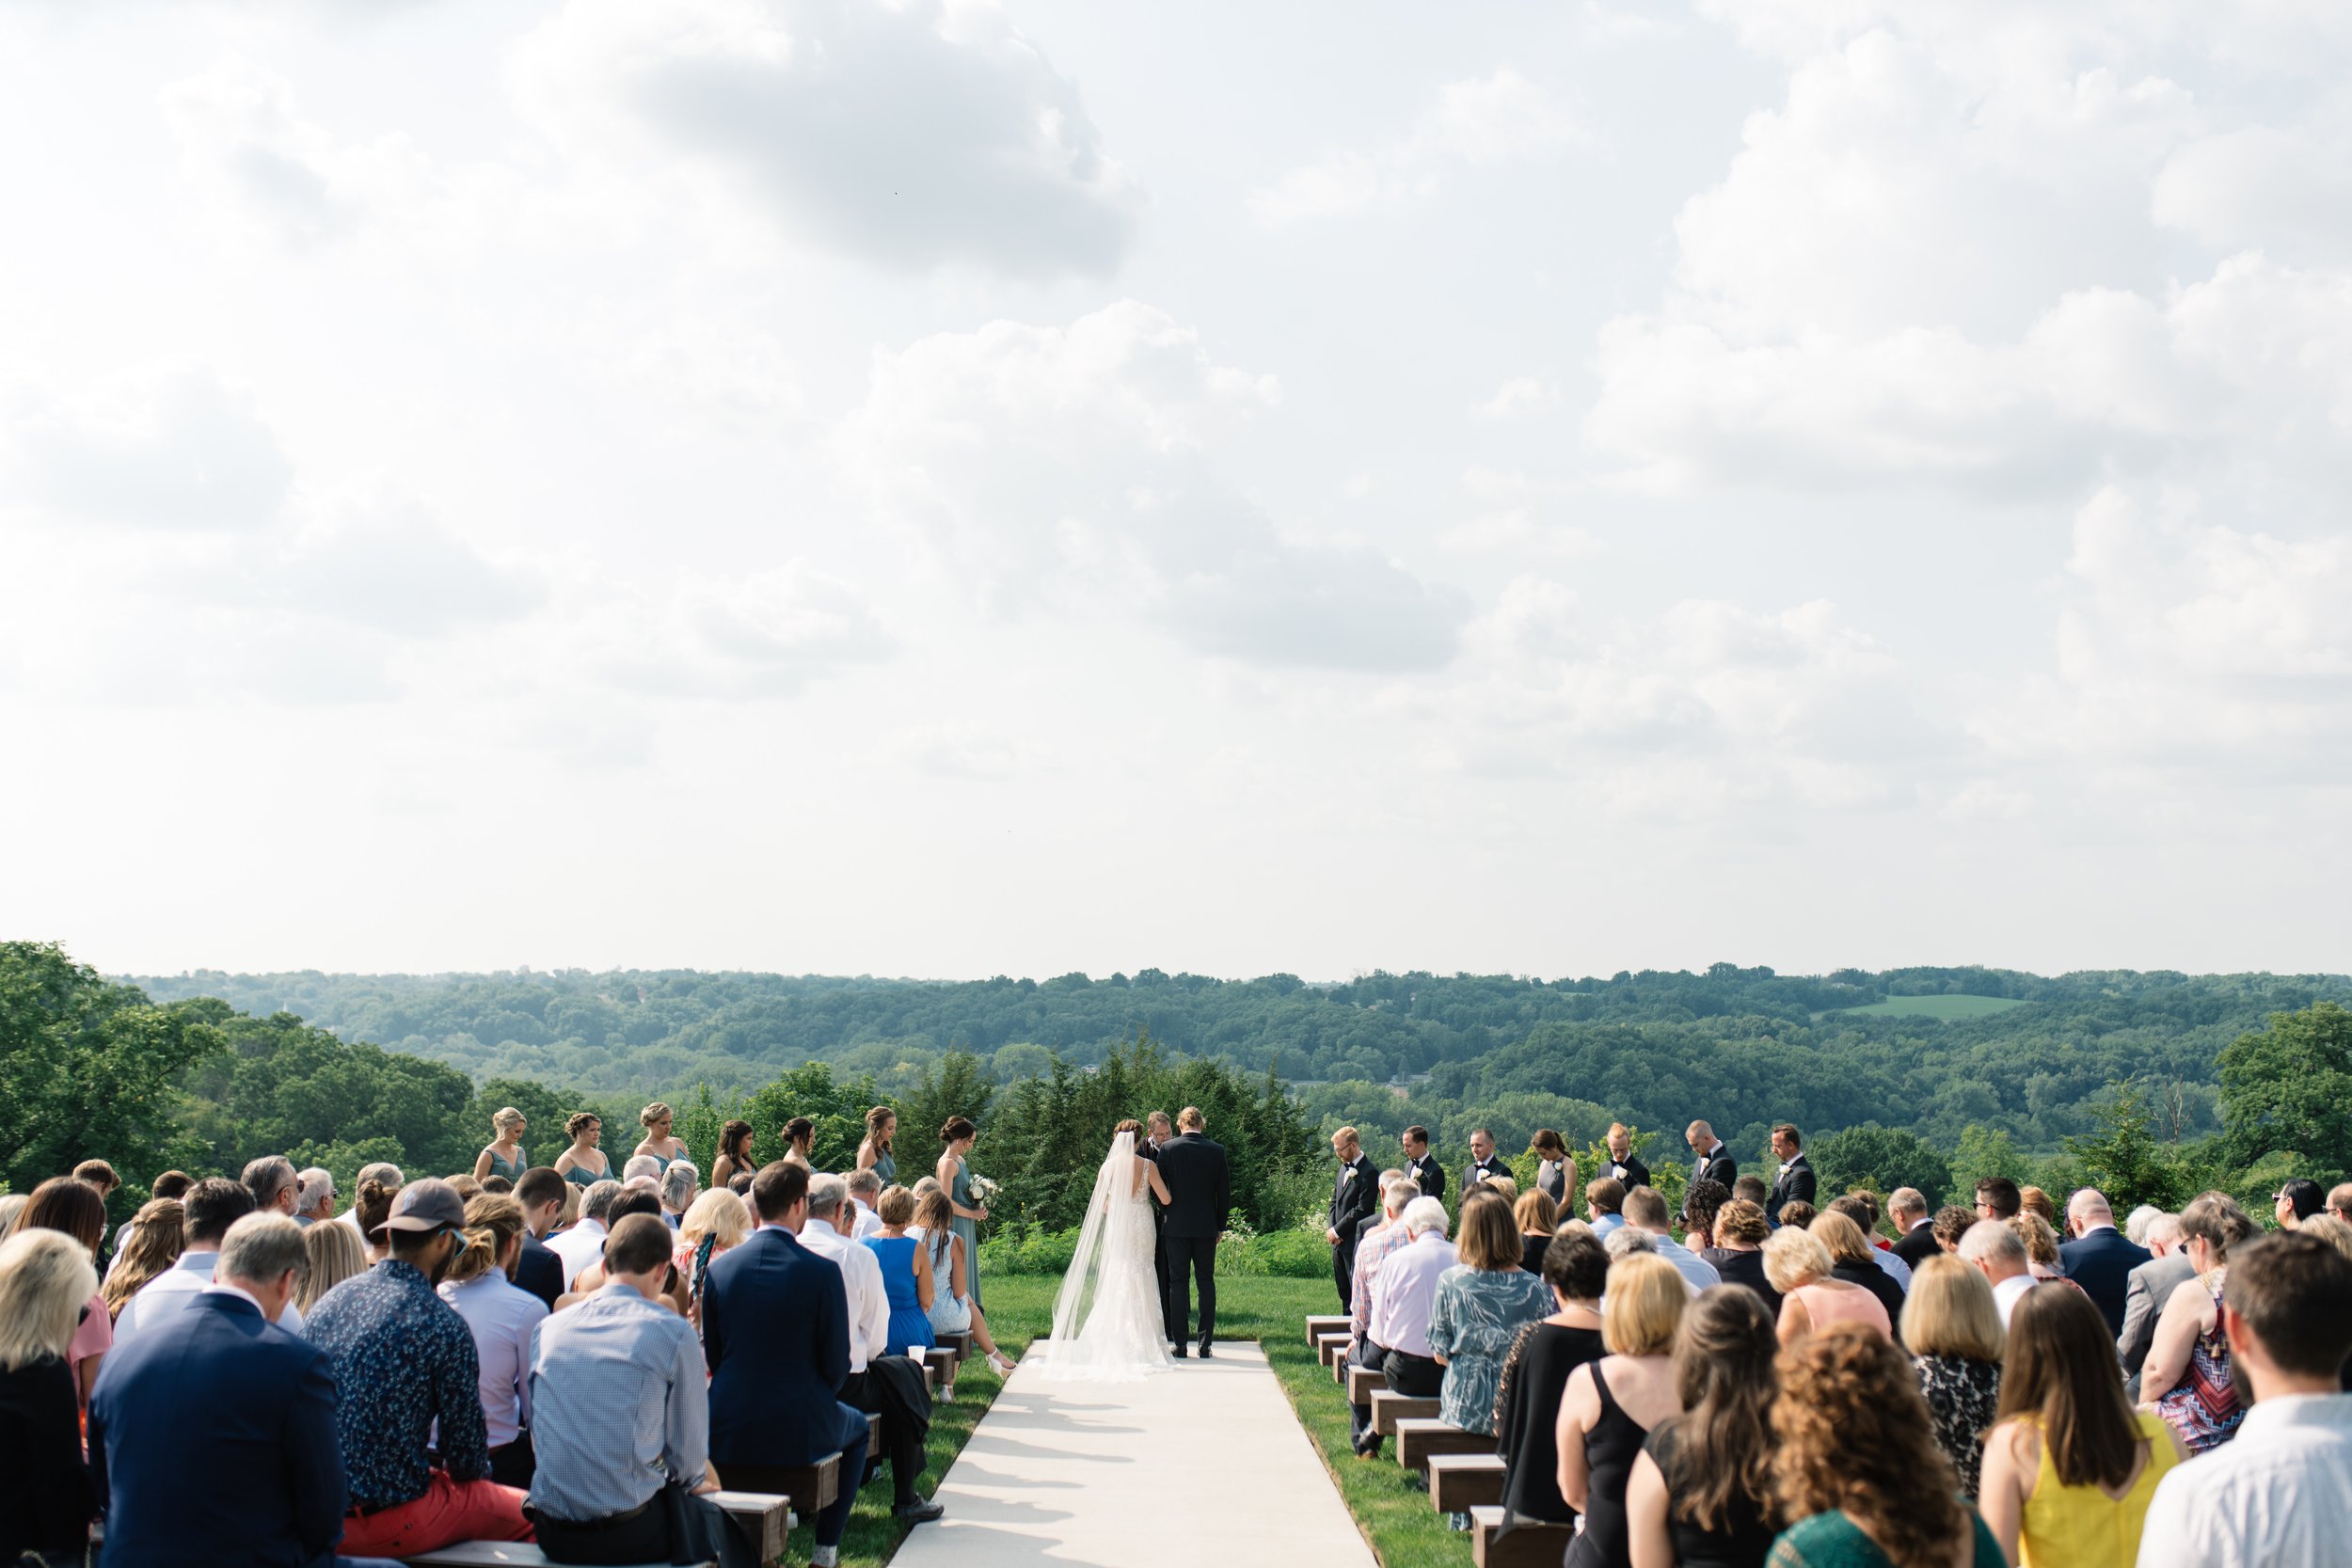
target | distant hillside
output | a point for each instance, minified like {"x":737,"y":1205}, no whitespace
{"x":1931,"y":1050}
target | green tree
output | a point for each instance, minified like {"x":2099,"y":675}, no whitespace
{"x":2123,"y":1159}
{"x":2288,"y":1089}
{"x":1881,"y":1158}
{"x":1983,"y":1153}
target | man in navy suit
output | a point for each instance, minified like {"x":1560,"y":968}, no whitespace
{"x":214,"y":1431}
{"x":776,"y":1335}
{"x":2099,"y":1259}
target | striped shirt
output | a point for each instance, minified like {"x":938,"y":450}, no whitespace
{"x":617,"y":1389}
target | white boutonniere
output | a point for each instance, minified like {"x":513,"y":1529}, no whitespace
{"x":1349,"y":1175}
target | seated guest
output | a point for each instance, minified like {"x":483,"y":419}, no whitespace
{"x":644,"y":1199}
{"x":2145,"y":1292}
{"x":315,"y":1200}
{"x":1537,"y":1218}
{"x":47,"y":1499}
{"x":540,"y":1268}
{"x":1915,"y":1227}
{"x":1405,"y":1295}
{"x":1701,"y":1493}
{"x":1609,"y":1405}
{"x":2298,"y":1198}
{"x":2187,"y":1373}
{"x":717,"y":1221}
{"x":501,"y":1316}
{"x":1799,"y":1215}
{"x":1373,"y":1249}
{"x":172,"y":1185}
{"x":404,"y":1360}
{"x":1812,"y":1297}
{"x":882,"y":1380}
{"x":621,"y":1412}
{"x":1481,"y":1304}
{"x":276,"y":1186}
{"x":151,"y":1244}
{"x":2098,"y":1257}
{"x":1994,"y":1248}
{"x":99,"y":1174}
{"x":1627,"y":1240}
{"x":1701,"y":1202}
{"x":1741,"y":1231}
{"x":1751,"y":1189}
{"x":1998,"y":1198}
{"x":2041,"y":1248}
{"x":1950,"y":1223}
{"x":1955,"y":1339}
{"x":2340,"y":1201}
{"x":366,"y":1215}
{"x":1527,"y":1410}
{"x":1852,"y":1259}
{"x":382,"y":1174}
{"x":1863,"y":1210}
{"x":776,"y":1337}
{"x":216,"y":1427}
{"x":336,"y":1255}
{"x":72,"y":1207}
{"x":2070,"y":1468}
{"x":865,"y":1187}
{"x":584,"y":1243}
{"x":953,"y":1310}
{"x":906,"y":1276}
{"x":2274,"y":1496}
{"x":212,"y":1206}
{"x":679,"y":1183}
{"x":1604,"y":1199}
{"x":1646,"y":1210}
{"x":2034,"y":1201}
{"x":1856,"y":1465}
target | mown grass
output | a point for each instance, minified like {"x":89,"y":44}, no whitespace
{"x":1935,"y":1007}
{"x":1390,"y":1506}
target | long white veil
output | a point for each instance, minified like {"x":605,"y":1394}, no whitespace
{"x":1107,"y":1322}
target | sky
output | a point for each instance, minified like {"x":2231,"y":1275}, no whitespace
{"x":926,"y":487}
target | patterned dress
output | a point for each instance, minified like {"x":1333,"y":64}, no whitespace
{"x":1474,"y":1321}
{"x":2202,"y":1409}
{"x":1962,"y":1397}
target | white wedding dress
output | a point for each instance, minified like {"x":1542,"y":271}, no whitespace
{"x":1108,"y":1322}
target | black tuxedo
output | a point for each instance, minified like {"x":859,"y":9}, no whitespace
{"x":1796,"y":1185}
{"x":1150,"y":1150}
{"x":1427,"y":1172}
{"x":2101,"y":1263}
{"x":1493,"y":1165}
{"x":1200,"y":1191}
{"x":1355,"y":1196}
{"x":1629,"y":1171}
{"x":1717,"y":1165}
{"x":1917,"y":1245}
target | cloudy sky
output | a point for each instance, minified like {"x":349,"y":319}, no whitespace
{"x":934,"y":488}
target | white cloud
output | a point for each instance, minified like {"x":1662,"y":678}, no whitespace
{"x":912,"y":134}
{"x":164,"y":446}
{"x":1517,"y":397}
{"x":1479,"y":121}
{"x":1076,"y":466}
{"x":768,"y":634}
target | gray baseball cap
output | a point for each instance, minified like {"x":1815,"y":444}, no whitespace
{"x":426,"y":1205}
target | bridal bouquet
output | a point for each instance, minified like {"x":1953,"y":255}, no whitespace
{"x":983,"y":1191}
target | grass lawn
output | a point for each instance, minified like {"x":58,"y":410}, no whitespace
{"x":1935,"y":1007}
{"x":1395,"y":1515}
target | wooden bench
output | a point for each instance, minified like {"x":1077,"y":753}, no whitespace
{"x":1461,"y":1481}
{"x":959,"y":1342}
{"x":1331,"y":1347}
{"x":1528,"y":1546}
{"x":1388,"y":1409}
{"x":940,"y":1364}
{"x":1362,"y":1383}
{"x":764,"y":1519}
{"x":1318,"y":1327}
{"x":494,"y":1554}
{"x":1422,"y":1436}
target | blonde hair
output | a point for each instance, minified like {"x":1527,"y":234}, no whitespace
{"x":1644,"y":1306}
{"x":1794,"y":1259}
{"x":718,"y":1214}
{"x":1537,"y":1214}
{"x":157,"y":1239}
{"x":12,"y":1209}
{"x":2041,"y":1240}
{"x":895,"y":1206}
{"x":655,"y":1112}
{"x":46,"y":1277}
{"x":493,"y":1220}
{"x":506,"y":1117}
{"x":1950,"y":1311}
{"x":336,"y":1254}
{"x":1504,"y":1185}
{"x":1842,"y":1237}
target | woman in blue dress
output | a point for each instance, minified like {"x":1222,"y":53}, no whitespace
{"x":955,"y":1175}
{"x":583,"y":1165}
{"x":504,"y":1155}
{"x":881,"y":1129}
{"x":906,"y":1276}
{"x":657,"y":1118}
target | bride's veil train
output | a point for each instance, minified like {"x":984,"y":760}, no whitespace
{"x":1107,"y":1321}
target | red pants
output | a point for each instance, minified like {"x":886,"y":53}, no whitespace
{"x":448,"y":1513}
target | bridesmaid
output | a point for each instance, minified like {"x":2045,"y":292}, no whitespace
{"x":735,"y":1153}
{"x":505,"y":1156}
{"x":882,"y":1129}
{"x":657,"y":1118}
{"x":1555,"y":1172}
{"x":799,"y":1142}
{"x":955,"y":1175}
{"x":583,"y":1165}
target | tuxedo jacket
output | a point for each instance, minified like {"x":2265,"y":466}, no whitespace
{"x":1718,"y":1166}
{"x":2101,"y":1263}
{"x":214,"y":1435}
{"x":1629,"y":1171}
{"x":1199,"y":1186}
{"x":776,"y":1336}
{"x":1797,"y":1185}
{"x":1493,"y":1165}
{"x":1355,"y":1192}
{"x":1430,"y":1174}
{"x":1917,"y":1245}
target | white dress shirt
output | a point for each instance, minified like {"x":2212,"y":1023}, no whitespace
{"x":866,"y":1222}
{"x":501,"y":1318}
{"x":862,"y":1282}
{"x":1892,"y":1266}
{"x":580,"y":1247}
{"x":2005,"y":1295}
{"x":2275,"y":1496}
{"x":1408,"y":1292}
{"x":171,"y":1290}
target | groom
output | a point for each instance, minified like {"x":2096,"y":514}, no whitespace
{"x":1199,"y":1193}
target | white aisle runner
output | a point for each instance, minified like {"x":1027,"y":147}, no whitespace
{"x":1204,"y":1461}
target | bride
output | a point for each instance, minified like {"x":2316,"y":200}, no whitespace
{"x":1109,"y":1324}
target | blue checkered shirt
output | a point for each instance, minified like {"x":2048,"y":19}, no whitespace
{"x":619,"y":1404}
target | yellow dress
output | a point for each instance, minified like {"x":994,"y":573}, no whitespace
{"x":2081,"y":1527}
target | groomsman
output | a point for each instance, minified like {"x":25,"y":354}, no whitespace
{"x":1715,"y":1161}
{"x":1355,"y":1195}
{"x":1794,"y":1183}
{"x":1624,"y":1168}
{"x":1421,"y":1164}
{"x":1484,"y":1162}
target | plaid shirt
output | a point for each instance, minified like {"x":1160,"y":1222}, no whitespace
{"x":1368,"y":1254}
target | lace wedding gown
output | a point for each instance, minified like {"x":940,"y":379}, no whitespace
{"x":1107,"y":1320}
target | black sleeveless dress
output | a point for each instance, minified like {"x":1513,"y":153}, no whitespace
{"x":1744,"y":1539}
{"x":1610,"y":1449}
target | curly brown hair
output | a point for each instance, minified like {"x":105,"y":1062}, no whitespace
{"x":1855,"y":1436}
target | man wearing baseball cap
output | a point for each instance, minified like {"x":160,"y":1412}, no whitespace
{"x":403,"y":1359}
